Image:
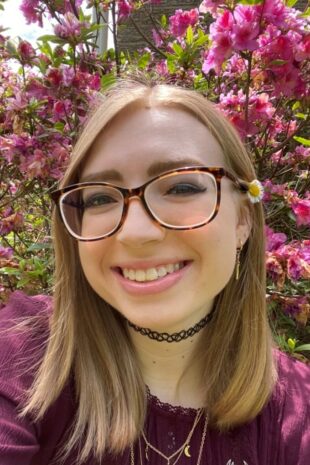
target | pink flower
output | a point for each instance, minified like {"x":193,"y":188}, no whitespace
{"x":54,"y":76}
{"x":157,"y":38}
{"x":25,"y":51}
{"x":125,"y":7}
{"x":180,"y":21}
{"x":94,"y":82}
{"x":275,"y":269}
{"x":68,"y":75}
{"x":61,"y":109}
{"x":70,"y":27}
{"x":6,"y":252}
{"x":274,"y":240}
{"x":161,"y":68}
{"x":210,"y":6}
{"x":222,"y":47}
{"x":262,"y":106}
{"x":31,"y":11}
{"x":246,"y":28}
{"x":13,"y":222}
{"x":297,"y":268}
{"x":301,"y":209}
{"x":274,"y":11}
{"x":303,"y":49}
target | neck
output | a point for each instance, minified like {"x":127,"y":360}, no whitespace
{"x":165,"y":368}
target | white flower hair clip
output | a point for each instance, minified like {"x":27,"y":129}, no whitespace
{"x":255,"y":191}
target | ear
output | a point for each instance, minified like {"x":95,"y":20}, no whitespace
{"x":244,"y":225}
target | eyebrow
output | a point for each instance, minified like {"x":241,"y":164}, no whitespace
{"x":154,"y":170}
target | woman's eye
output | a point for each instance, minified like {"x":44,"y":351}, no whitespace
{"x":98,"y":201}
{"x":186,"y":189}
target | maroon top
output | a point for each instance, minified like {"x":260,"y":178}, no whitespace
{"x":280,"y":435}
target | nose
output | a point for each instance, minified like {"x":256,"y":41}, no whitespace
{"x":139,"y":228}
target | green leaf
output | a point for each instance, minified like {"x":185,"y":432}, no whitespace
{"x":301,"y":115}
{"x":304,"y":347}
{"x":178,"y":49}
{"x":278,"y":62}
{"x":9,"y":271}
{"x":59,"y":126}
{"x":189,"y":35}
{"x":144,"y":60}
{"x":250,"y":2}
{"x":163,"y":21}
{"x":306,"y":13}
{"x":107,"y":80}
{"x":202,"y":39}
{"x":296,"y":105}
{"x":39,"y":246}
{"x":171,"y":63}
{"x":291,"y":343}
{"x":302,"y":141}
{"x":290,"y":3}
{"x":51,"y":38}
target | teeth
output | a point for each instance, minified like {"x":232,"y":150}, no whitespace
{"x":151,"y":274}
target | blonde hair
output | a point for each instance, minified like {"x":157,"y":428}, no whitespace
{"x":89,"y":339}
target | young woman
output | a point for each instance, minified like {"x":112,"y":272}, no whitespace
{"x":156,"y":349}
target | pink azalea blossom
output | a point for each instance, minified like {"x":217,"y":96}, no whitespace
{"x":31,"y":11}
{"x":301,"y":209}
{"x":210,"y":6}
{"x":68,"y":75}
{"x":162,"y":68}
{"x":13,"y":222}
{"x":26,"y":51}
{"x":246,"y":28}
{"x":95,"y":82}
{"x":273,"y":189}
{"x":222,"y":47}
{"x":70,"y":27}
{"x":157,"y":38}
{"x":61,"y":109}
{"x":180,"y":21}
{"x":303,"y":49}
{"x":274,"y":11}
{"x":54,"y":76}
{"x":274,"y":240}
{"x":274,"y":269}
{"x":297,"y":268}
{"x":6,"y":252}
{"x":125,"y":7}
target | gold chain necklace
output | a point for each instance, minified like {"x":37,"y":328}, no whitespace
{"x":179,"y":452}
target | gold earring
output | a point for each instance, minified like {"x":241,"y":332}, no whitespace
{"x":238,"y":262}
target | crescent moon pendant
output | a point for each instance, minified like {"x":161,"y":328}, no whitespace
{"x":186,"y":451}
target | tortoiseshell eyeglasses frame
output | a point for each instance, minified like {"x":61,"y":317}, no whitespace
{"x":217,"y":172}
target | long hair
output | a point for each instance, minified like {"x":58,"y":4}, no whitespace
{"x":89,"y":339}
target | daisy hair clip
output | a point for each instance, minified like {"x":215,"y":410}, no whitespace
{"x":255,"y":191}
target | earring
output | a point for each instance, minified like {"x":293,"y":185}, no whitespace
{"x":238,"y":262}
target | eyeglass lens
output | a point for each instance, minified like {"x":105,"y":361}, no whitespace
{"x":177,"y":200}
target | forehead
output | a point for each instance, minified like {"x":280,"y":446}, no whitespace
{"x":142,"y":142}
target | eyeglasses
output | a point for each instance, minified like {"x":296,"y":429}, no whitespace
{"x":181,"y":199}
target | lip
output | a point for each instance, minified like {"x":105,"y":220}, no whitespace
{"x":151,"y":287}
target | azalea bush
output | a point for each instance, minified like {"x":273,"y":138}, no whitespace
{"x":251,"y":58}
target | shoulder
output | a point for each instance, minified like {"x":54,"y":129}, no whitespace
{"x":21,"y":305}
{"x":24,"y":329}
{"x":293,"y":384}
{"x":290,"y":407}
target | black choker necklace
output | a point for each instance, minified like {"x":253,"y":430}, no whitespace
{"x":175,"y":337}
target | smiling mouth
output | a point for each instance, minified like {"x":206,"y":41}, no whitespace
{"x":150,"y":274}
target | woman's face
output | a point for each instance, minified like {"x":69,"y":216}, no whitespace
{"x":136,"y":141}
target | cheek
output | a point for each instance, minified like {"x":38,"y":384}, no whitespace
{"x":91,"y":255}
{"x":215,"y":248}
